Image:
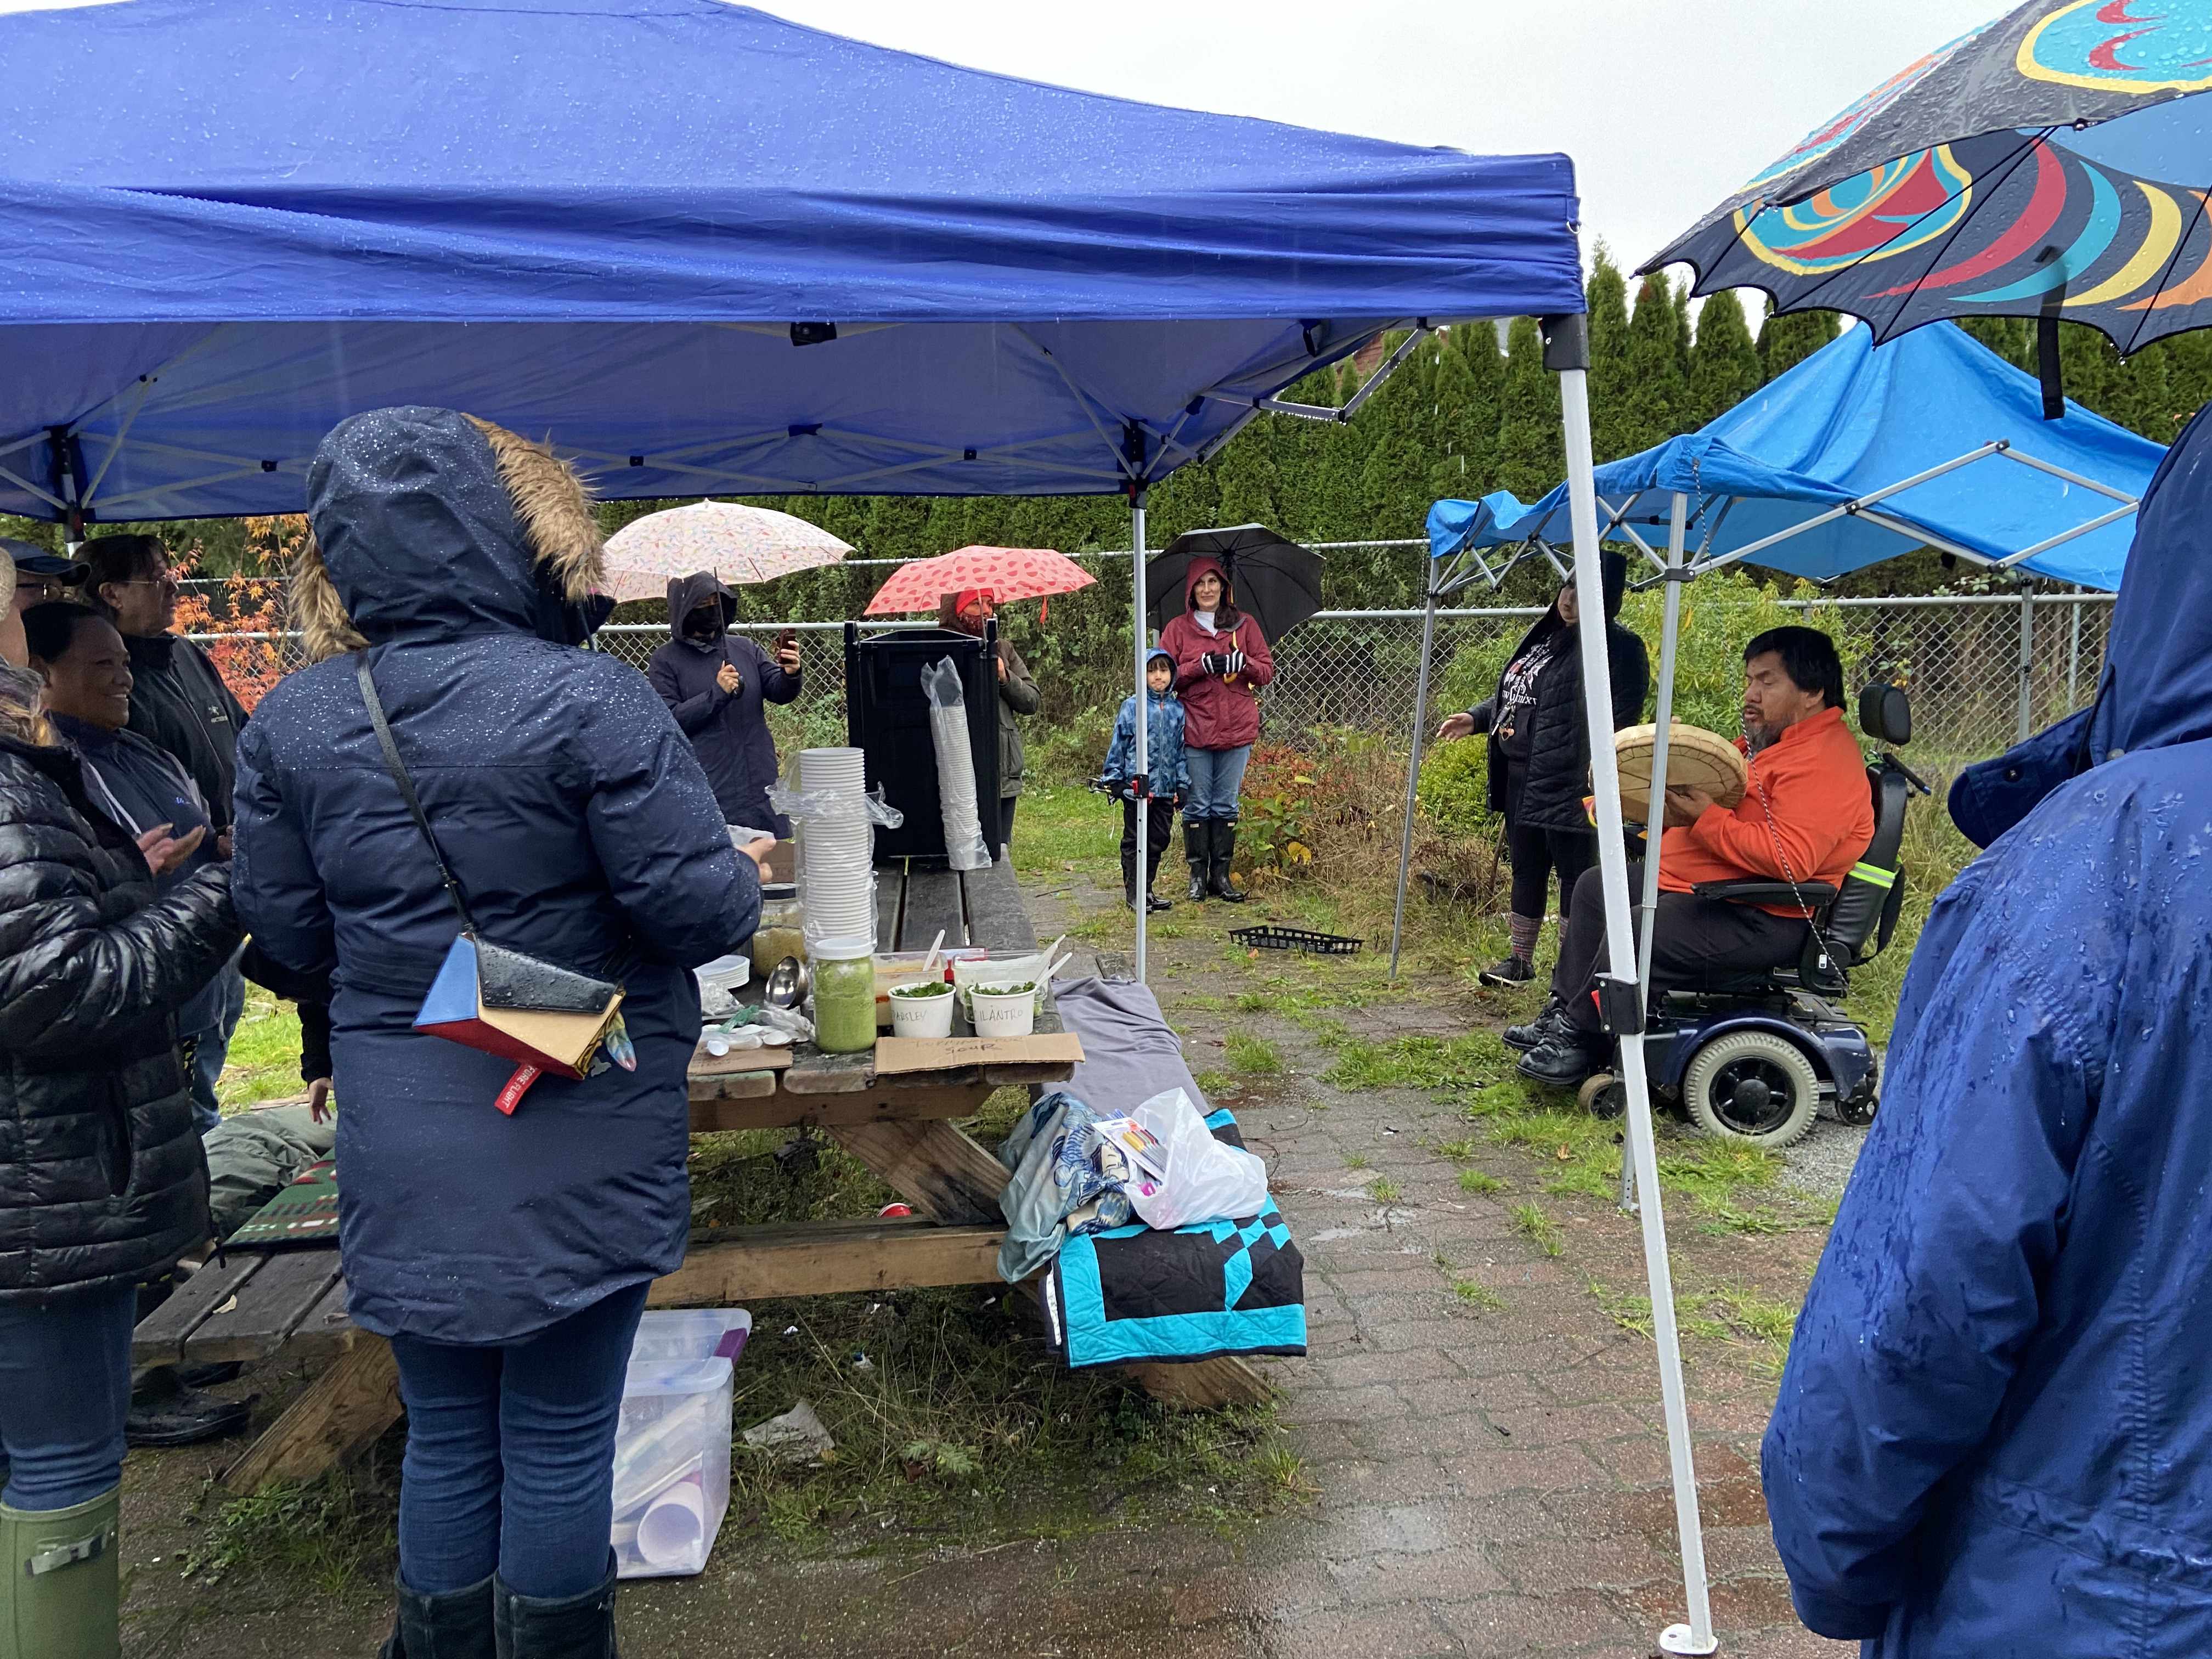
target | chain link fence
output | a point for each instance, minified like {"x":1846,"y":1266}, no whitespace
{"x":1981,"y":670}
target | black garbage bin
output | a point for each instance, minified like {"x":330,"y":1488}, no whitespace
{"x":887,"y":718}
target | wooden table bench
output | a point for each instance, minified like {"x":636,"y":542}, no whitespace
{"x":256,"y":1305}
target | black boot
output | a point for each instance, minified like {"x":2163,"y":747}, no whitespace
{"x":1129,"y":879}
{"x":1552,"y":1023}
{"x":455,"y":1625}
{"x":556,"y":1627}
{"x":1224,"y":848}
{"x":1195,"y":839}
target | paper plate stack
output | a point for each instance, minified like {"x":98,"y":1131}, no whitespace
{"x":1696,"y":759}
{"x":836,"y":850}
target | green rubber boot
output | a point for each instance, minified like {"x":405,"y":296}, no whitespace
{"x":60,"y":1596}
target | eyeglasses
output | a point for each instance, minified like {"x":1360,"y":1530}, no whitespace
{"x":166,"y":579}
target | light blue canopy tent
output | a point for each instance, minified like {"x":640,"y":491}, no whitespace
{"x":1860,"y":453}
{"x":702,"y":249}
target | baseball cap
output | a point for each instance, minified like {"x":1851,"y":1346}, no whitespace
{"x":32,"y":560}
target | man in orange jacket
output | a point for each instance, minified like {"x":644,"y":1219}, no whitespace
{"x":1805,"y":819}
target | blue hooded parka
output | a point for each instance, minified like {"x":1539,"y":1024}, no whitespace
{"x":579,"y":826}
{"x":1994,"y":1434}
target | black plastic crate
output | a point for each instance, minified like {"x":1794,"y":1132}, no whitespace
{"x":1272,"y":938}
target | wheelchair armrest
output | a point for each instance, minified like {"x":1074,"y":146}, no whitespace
{"x":1814,"y":893}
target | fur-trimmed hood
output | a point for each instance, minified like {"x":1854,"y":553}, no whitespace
{"x":432,"y":525}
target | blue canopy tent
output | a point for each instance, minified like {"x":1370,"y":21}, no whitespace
{"x":702,"y":248}
{"x":1858,"y":454}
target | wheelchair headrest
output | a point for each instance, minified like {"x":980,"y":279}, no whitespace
{"x":1886,"y":713}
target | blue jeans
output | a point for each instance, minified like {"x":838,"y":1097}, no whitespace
{"x":1215,"y":776}
{"x":65,"y":1390}
{"x":217,"y":1010}
{"x":510,"y":1455}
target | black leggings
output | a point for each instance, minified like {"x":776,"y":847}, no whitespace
{"x":1536,"y":852}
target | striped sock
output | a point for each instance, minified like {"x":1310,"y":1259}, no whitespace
{"x":1524,"y":930}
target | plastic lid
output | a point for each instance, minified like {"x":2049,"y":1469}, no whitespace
{"x":776,"y":891}
{"x":840,"y":950}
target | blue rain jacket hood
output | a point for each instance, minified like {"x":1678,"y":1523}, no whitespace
{"x":1994,"y":1434}
{"x":578,"y":825}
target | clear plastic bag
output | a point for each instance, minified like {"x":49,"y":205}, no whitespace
{"x":1206,"y":1180}
{"x":837,"y":837}
{"x":965,"y":848}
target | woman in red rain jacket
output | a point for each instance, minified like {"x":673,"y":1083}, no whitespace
{"x":1221,"y":662}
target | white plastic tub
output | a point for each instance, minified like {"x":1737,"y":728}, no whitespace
{"x":673,"y":1444}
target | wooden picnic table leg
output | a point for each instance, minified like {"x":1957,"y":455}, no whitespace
{"x":342,"y":1413}
{"x":944,"y":1172}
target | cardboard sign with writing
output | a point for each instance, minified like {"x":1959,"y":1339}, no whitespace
{"x":897,"y":1056}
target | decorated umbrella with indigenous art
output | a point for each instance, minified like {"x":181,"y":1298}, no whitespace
{"x":2053,"y":164}
{"x":1007,"y":574}
{"x":738,"y":543}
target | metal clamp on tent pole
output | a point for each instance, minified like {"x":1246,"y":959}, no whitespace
{"x":1619,"y":1006}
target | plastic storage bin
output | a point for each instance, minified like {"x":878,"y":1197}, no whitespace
{"x":887,"y":716}
{"x":673,"y":1445}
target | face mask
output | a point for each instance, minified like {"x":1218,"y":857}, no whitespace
{"x":703,"y":625}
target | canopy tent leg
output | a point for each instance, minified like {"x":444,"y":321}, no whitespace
{"x":1655,"y":816}
{"x":1142,"y":768}
{"x":1567,"y":351}
{"x":1414,"y":770}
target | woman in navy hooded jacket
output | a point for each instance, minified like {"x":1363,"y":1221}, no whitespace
{"x":1994,"y":1434}
{"x":507,"y":1258}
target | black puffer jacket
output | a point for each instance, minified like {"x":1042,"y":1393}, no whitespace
{"x":102,"y":1175}
{"x":1559,"y":755}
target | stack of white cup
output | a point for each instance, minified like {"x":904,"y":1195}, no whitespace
{"x":837,"y":851}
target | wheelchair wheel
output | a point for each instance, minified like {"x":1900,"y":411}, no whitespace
{"x":1753,"y":1086}
{"x":1604,"y":1097}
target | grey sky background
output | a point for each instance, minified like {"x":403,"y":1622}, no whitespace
{"x":1666,"y":105}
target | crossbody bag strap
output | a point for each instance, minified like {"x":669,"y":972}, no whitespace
{"x":399,"y":770}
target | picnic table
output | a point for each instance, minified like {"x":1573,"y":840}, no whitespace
{"x":254,"y":1305}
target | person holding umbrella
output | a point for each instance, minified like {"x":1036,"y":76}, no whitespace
{"x":1221,"y":661}
{"x":1539,"y":757}
{"x":967,"y":612}
{"x":718,"y":685}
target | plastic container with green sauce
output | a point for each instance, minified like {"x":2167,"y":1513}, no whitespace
{"x":844,"y":995}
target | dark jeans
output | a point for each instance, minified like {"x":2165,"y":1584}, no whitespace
{"x":1006,"y":804}
{"x":1536,"y":854}
{"x":510,"y":1455}
{"x":1698,"y":941}
{"x":1159,"y":824}
{"x":65,"y":1390}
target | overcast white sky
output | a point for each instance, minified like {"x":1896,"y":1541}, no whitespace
{"x":1666,"y":105}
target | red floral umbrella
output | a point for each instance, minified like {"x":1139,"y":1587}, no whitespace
{"x":1008,"y":572}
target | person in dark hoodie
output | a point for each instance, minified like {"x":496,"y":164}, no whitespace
{"x":1540,"y":759}
{"x":1994,"y":1430}
{"x":1221,"y":661}
{"x":966,"y":612}
{"x":507,"y":1258}
{"x":717,"y":684}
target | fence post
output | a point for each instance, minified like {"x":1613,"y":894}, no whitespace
{"x":2026,"y":663}
{"x":2074,"y":656}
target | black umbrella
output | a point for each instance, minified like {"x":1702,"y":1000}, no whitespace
{"x":1277,"y":582}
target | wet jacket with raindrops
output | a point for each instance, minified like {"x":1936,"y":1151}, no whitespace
{"x":103,"y":1181}
{"x":1994,"y":1432}
{"x":577,"y":822}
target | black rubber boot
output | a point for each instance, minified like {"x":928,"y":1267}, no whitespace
{"x":1223,"y":849}
{"x":1195,"y":840}
{"x":457,"y":1625}
{"x":1129,"y":879}
{"x":549,"y":1627}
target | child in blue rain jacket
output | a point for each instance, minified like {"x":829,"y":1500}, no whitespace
{"x":1166,"y":764}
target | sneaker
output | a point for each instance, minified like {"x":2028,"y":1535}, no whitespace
{"x":1552,"y":1023}
{"x":1561,"y":1063}
{"x":1514,"y":970}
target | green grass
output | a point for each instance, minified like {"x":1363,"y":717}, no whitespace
{"x":1253,"y":1056}
{"x":1476,"y":1294}
{"x":263,"y":1060}
{"x":1056,"y":828}
{"x":1480,"y":1181}
{"x":1383,"y":1190}
{"x":1355,"y":1161}
{"x":331,"y":1535}
{"x":1532,"y":1220}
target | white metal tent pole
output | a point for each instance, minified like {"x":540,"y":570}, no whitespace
{"x":1567,"y":351}
{"x":1143,"y":896}
{"x":1413,"y":768}
{"x":1654,"y":814}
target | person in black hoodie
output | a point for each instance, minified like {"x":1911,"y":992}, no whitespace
{"x":1540,"y":759}
{"x":717,"y":684}
{"x":102,"y":1182}
{"x":179,"y":704}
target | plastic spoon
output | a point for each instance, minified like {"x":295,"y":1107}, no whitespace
{"x":934,"y":946}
